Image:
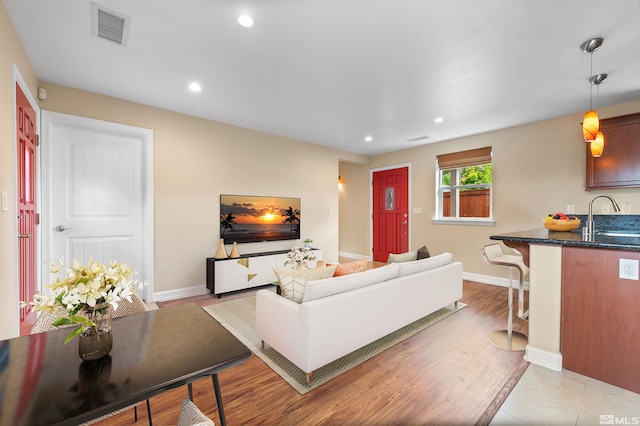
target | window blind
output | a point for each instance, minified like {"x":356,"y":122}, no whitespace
{"x":472,"y":157}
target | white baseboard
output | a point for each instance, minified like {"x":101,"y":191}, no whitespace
{"x":180,"y":293}
{"x":488,"y":279}
{"x":352,"y":255}
{"x":542,"y":358}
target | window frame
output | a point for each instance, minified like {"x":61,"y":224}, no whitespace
{"x":456,"y":162}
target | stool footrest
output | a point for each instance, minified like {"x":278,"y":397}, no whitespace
{"x":514,"y":342}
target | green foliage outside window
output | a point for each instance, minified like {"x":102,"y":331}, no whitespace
{"x":470,"y":175}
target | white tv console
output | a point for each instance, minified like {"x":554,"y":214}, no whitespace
{"x":247,"y":271}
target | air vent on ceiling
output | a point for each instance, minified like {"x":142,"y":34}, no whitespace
{"x":418,"y":139}
{"x":109,"y":25}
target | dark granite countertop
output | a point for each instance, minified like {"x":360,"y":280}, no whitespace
{"x":574,"y":238}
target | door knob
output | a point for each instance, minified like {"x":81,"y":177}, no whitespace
{"x":61,"y":228}
{"x":405,"y":222}
{"x":24,"y":235}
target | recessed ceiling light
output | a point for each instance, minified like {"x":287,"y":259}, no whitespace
{"x":438,"y":120}
{"x":245,"y":21}
{"x":195,"y":87}
{"x":368,"y":139}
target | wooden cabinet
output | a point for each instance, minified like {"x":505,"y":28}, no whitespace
{"x":247,"y":271}
{"x":600,"y":329}
{"x":619,"y":165}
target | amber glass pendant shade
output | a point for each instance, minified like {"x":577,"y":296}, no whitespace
{"x":597,"y":145}
{"x":590,"y":126}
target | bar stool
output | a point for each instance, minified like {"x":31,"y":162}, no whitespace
{"x":508,"y":339}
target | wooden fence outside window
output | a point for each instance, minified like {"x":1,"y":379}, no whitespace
{"x":473,"y":203}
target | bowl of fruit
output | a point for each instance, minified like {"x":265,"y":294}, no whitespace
{"x":561,"y":222}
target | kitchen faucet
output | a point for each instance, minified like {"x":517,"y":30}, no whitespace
{"x":588,"y":230}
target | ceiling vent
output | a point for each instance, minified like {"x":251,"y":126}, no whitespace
{"x":418,"y":139}
{"x":109,"y":25}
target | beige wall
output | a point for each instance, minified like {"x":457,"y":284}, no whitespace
{"x":11,"y":52}
{"x":539,"y":168}
{"x":195,"y":160}
{"x":354,"y":209}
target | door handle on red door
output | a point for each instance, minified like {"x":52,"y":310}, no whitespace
{"x":24,"y":235}
{"x":406,"y":222}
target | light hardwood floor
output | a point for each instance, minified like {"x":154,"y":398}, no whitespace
{"x":544,"y":396}
{"x":446,"y":374}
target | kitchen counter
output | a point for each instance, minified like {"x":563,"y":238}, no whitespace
{"x":544,"y":236}
{"x":557,"y":257}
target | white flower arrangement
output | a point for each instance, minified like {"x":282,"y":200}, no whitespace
{"x":84,"y":287}
{"x":300,"y":258}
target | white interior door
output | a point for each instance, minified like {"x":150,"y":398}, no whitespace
{"x":96,"y":193}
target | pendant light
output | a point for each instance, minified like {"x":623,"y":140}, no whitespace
{"x":591,"y":123}
{"x":597,"y":145}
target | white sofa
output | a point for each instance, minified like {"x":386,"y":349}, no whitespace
{"x":341,"y":314}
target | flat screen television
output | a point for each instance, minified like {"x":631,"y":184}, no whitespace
{"x":246,"y":219}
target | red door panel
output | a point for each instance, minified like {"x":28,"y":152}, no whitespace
{"x":390,"y":213}
{"x":27,"y":220}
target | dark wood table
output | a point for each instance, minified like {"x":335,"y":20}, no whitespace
{"x":43,"y":381}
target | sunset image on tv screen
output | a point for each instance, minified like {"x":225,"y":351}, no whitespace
{"x":246,"y":219}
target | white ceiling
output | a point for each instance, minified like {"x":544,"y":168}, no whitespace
{"x":331,"y":72}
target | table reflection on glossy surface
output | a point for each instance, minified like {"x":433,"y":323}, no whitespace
{"x":43,"y":381}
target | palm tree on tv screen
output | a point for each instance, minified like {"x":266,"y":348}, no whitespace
{"x":227,"y":221}
{"x":292,"y":217}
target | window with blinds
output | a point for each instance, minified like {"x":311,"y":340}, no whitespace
{"x":464,"y":182}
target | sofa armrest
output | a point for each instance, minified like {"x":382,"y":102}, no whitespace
{"x":279,"y":325}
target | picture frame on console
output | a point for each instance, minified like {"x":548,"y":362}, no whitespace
{"x":253,"y":218}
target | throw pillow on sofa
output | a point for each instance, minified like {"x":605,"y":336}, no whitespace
{"x":352,"y":267}
{"x":402,"y":257}
{"x":423,"y":253}
{"x":294,"y":281}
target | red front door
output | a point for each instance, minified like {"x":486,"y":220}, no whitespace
{"x":27,"y":220}
{"x":390,"y":213}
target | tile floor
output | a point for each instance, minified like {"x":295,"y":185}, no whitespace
{"x":544,"y":396}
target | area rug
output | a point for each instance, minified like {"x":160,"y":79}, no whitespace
{"x":239,"y":317}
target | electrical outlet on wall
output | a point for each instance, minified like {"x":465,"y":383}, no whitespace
{"x":626,"y":208}
{"x":629,"y":269}
{"x":571,"y":208}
